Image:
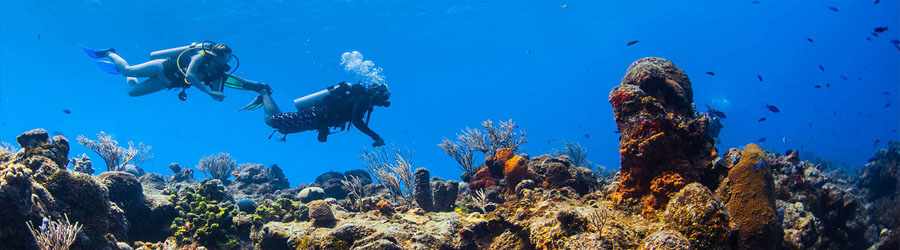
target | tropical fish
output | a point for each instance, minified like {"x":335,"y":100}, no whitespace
{"x":833,"y":8}
{"x":758,"y":76}
{"x":772,"y":108}
{"x":710,"y":73}
{"x":715,"y":112}
{"x":761,"y":119}
{"x":632,"y":43}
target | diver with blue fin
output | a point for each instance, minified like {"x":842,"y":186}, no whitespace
{"x":337,"y":106}
{"x":203,"y":65}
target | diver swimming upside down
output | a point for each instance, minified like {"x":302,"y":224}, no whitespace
{"x":333,"y":107}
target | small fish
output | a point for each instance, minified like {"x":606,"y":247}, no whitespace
{"x":773,"y":108}
{"x":880,"y":29}
{"x":877,"y":141}
{"x":822,"y":68}
{"x":844,"y":77}
{"x":39,"y":36}
{"x":758,"y":76}
{"x":761,"y":140}
{"x":817,"y":86}
{"x":833,"y":8}
{"x":828,"y":85}
{"x":896,"y":43}
{"x":868,"y":38}
{"x":710,"y":73}
{"x":894,"y":130}
{"x":588,"y":136}
{"x":755,"y":2}
{"x":887,"y":105}
{"x":877,"y":2}
{"x":67,"y":111}
{"x":810,"y":40}
{"x":886,"y":93}
{"x":632,"y":43}
{"x":715,"y":112}
{"x":761,"y":119}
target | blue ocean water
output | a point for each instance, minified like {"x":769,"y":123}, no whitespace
{"x":548,"y":65}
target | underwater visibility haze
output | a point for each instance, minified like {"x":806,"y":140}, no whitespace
{"x":275,"y":124}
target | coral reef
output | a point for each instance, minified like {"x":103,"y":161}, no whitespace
{"x":180,"y":174}
{"x":422,"y":193}
{"x":664,"y":143}
{"x":699,"y":216}
{"x":674,"y":191}
{"x":253,"y":180}
{"x":218,"y":166}
{"x":748,"y":194}
{"x":205,"y":216}
{"x":115,"y":156}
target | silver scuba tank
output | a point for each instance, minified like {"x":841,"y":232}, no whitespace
{"x":312,"y":99}
{"x":166,"y":53}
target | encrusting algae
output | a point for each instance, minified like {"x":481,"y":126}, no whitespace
{"x":674,"y":191}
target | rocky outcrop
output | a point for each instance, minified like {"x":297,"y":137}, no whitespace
{"x":664,"y":143}
{"x":749,"y":195}
{"x":422,"y":193}
{"x":320,"y":214}
{"x":699,"y":216}
{"x":444,"y":195}
{"x":330,"y":182}
{"x":666,"y":239}
{"x":254,"y":180}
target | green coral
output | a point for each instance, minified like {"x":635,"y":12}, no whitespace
{"x":205,"y":215}
{"x":280,"y":209}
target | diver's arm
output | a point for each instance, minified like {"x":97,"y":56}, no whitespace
{"x":357,"y":120}
{"x":191,"y":76}
{"x":193,"y":80}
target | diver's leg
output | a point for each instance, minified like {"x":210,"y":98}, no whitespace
{"x":147,"y":69}
{"x":323,"y":134}
{"x":151,"y":85}
{"x":269,"y":105}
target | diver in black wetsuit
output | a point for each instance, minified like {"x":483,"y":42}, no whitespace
{"x":333,"y":107}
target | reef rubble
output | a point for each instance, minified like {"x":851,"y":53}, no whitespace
{"x":674,"y":191}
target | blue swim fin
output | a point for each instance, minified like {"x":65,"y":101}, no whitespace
{"x":103,"y":62}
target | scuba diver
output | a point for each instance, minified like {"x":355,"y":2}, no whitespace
{"x":333,"y":107}
{"x":202,"y":65}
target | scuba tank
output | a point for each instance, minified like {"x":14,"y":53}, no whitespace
{"x":316,"y":98}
